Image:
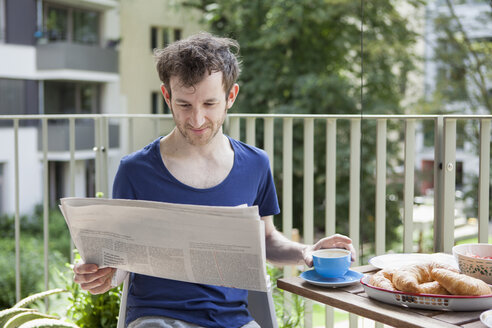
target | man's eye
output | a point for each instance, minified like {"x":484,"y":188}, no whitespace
{"x":184,"y":105}
{"x":209,"y":104}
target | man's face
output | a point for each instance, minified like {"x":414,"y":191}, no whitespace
{"x":200,"y":111}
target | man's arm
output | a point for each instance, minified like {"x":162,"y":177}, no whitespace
{"x":280,"y":250}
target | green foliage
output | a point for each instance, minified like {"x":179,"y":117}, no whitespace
{"x":464,"y":62}
{"x":21,"y":317}
{"x":305,"y":56}
{"x":89,"y":311}
{"x":31,"y":252}
{"x":31,"y":265}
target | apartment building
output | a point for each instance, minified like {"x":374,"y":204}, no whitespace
{"x":56,"y":57}
{"x":80,"y":57}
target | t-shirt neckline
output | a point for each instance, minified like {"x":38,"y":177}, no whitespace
{"x":157,"y":150}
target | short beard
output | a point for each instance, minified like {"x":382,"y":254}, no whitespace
{"x":184,"y":134}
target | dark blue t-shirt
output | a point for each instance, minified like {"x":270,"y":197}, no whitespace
{"x":143,"y":175}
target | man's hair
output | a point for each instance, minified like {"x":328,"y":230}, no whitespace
{"x":190,"y":59}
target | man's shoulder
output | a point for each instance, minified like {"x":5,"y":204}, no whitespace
{"x":248,"y":149}
{"x":248,"y":152}
{"x":140,"y":156}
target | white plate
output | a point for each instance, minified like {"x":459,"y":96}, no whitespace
{"x":428,"y":301}
{"x":351,"y":277}
{"x":395,"y":260}
{"x":486,"y":318}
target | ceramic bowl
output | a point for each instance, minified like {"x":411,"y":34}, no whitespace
{"x":331,"y":262}
{"x":472,"y":262}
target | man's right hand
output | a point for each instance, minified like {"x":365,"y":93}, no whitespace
{"x":93,"y":279}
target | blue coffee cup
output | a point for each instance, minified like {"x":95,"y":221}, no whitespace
{"x":332,"y":262}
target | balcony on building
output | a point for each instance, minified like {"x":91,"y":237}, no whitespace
{"x":72,"y":38}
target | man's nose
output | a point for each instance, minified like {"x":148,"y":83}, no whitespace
{"x":198,"y":117}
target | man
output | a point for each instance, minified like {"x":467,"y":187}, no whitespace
{"x":197,"y":164}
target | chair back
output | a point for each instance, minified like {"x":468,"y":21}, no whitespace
{"x":260,"y":305}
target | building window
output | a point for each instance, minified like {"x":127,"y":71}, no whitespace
{"x":177,"y":34}
{"x":71,"y":24}
{"x":160,"y":37}
{"x":153,"y":38}
{"x":155,"y":103}
{"x":57,"y":24}
{"x":71,"y":98}
{"x":85,"y":27}
{"x":12,"y":101}
{"x":165,"y":37}
{"x":165,"y":106}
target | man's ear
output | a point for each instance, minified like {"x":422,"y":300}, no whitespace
{"x":231,"y":97}
{"x":166,"y":95}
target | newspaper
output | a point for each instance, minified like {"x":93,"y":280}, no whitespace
{"x":214,"y":245}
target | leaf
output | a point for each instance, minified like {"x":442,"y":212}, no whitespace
{"x":24,"y":317}
{"x":38,"y":296}
{"x":5,"y":315}
{"x":52,"y":323}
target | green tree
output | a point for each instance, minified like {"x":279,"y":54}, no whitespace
{"x":304,"y":56}
{"x":463,"y":53}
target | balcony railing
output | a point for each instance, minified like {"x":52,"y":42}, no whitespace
{"x":66,"y":55}
{"x":278,"y":137}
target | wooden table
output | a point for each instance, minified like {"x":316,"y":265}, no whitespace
{"x":353,"y":299}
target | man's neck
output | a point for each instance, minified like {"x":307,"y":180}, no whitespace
{"x":198,"y":166}
{"x":176,"y":145}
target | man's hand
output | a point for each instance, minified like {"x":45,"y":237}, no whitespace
{"x":93,"y":279}
{"x":335,"y":241}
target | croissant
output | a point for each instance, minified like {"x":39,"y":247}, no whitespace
{"x":432,"y":287}
{"x":380,"y":279}
{"x":460,"y":284}
{"x":409,"y":278}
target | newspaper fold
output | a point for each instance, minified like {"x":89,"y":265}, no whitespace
{"x":215,"y":245}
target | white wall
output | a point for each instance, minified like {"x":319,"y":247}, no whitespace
{"x":17,"y":62}
{"x":30,"y":170}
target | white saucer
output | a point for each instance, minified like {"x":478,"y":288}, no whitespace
{"x":486,"y":318}
{"x":312,"y":277}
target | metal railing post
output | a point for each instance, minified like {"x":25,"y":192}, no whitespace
{"x":380,"y":238}
{"x":287,"y":135}
{"x":17,"y":214}
{"x":408,"y":192}
{"x":268,"y":137}
{"x":97,"y":156}
{"x":235,"y":127}
{"x":330,"y":195}
{"x":438,"y":188}
{"x":71,"y":124}
{"x":354,"y":183}
{"x":104,"y":147}
{"x":308,"y":203}
{"x":483,"y":182}
{"x":449,"y":184}
{"x":251,"y":131}
{"x":44,"y":131}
